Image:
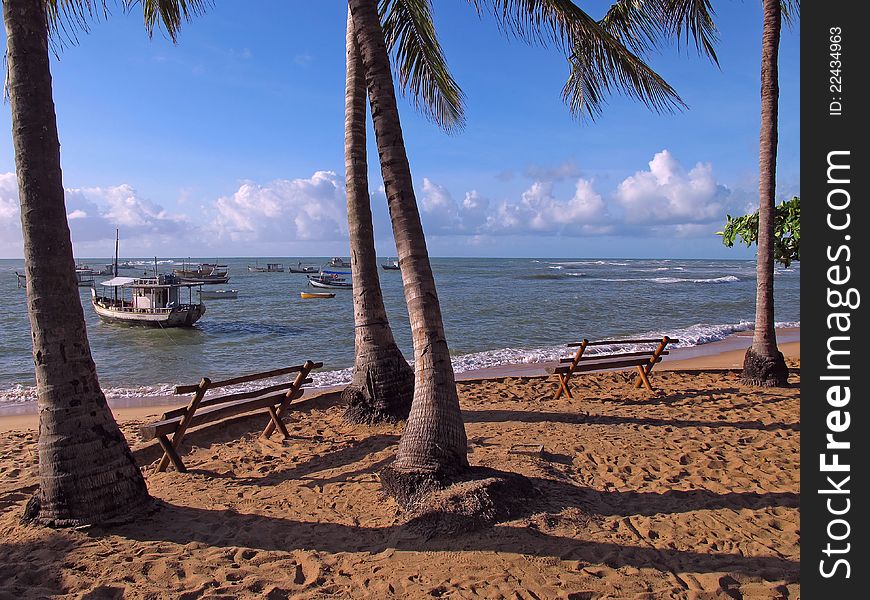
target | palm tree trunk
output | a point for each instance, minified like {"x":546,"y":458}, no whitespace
{"x":86,"y":471}
{"x":383,"y":382}
{"x":434,"y":441}
{"x":764,"y":363}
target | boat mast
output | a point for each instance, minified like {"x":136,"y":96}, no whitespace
{"x":115,"y":267}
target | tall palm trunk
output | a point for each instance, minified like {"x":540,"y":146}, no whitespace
{"x":764,"y":363}
{"x":383,"y":382}
{"x":434,"y":442}
{"x":86,"y":471}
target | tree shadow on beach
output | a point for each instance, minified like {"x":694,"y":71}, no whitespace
{"x":350,"y":453}
{"x":529,"y":416}
{"x":32,"y":569}
{"x":223,"y":528}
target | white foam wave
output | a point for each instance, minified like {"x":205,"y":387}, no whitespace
{"x":725,"y":279}
{"x":692,"y":335}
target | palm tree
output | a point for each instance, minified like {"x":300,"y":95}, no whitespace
{"x":87,"y":474}
{"x":433,"y":446}
{"x":764,"y":364}
{"x":383,"y":382}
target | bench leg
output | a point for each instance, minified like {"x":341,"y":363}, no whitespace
{"x":276,"y":420}
{"x":643,"y":379}
{"x":170,"y":454}
{"x":563,"y":387}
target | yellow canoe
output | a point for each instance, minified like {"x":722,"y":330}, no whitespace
{"x":317,"y":294}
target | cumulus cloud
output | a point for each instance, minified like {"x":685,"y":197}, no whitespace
{"x":284,"y":210}
{"x":668,"y":194}
{"x":540,"y":211}
{"x":441,"y":214}
{"x":93,"y":214}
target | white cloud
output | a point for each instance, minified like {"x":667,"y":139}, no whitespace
{"x":540,"y":211}
{"x":667,"y":194}
{"x":291,"y":210}
{"x":93,"y":215}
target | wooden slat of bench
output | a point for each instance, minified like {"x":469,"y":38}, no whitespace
{"x":604,"y":364}
{"x":590,"y":357}
{"x":615,"y":342}
{"x":631,"y":362}
{"x":164,"y":427}
{"x":186,"y":389}
{"x":233,"y":397}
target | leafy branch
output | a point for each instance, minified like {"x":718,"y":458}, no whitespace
{"x":786,"y":231}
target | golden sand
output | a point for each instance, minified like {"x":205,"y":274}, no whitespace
{"x":691,"y":493}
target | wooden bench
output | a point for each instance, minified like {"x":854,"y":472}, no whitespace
{"x":274,"y":398}
{"x":642,"y":360}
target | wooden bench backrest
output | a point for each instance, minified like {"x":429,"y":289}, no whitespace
{"x":177,"y":421}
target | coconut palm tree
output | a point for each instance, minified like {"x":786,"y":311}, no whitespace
{"x":764,"y":364}
{"x":86,"y":471}
{"x":433,"y":446}
{"x":383,"y":383}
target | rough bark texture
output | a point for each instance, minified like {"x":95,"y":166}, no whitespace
{"x":383,"y":381}
{"x":86,"y":471}
{"x":434,"y":440}
{"x":767,"y":367}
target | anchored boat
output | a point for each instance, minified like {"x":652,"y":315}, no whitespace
{"x":151,"y":301}
{"x":317,"y":294}
{"x":203,"y":273}
{"x":331,"y":280}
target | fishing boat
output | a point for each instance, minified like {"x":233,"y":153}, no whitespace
{"x":203,"y":273}
{"x":336,"y":261}
{"x":218,"y":294}
{"x":269,"y":268}
{"x":84,"y":276}
{"x":391,"y":266}
{"x":149,"y":301}
{"x":300,"y":268}
{"x":317,"y":294}
{"x":330,"y":280}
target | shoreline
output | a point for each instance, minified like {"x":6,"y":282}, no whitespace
{"x":721,"y":354}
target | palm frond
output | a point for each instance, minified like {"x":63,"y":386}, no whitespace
{"x":791,"y":11}
{"x":600,"y":60}
{"x":420,"y":65}
{"x":66,"y":18}
{"x":170,"y":14}
{"x":693,"y":19}
{"x":635,"y":23}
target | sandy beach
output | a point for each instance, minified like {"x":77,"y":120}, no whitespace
{"x":689,"y":493}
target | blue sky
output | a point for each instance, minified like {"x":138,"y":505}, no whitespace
{"x":230,"y":143}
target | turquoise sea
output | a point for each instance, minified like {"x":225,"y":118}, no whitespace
{"x":497,"y":311}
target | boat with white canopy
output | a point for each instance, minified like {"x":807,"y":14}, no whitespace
{"x":151,"y":301}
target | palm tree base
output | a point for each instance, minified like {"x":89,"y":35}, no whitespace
{"x":438,"y":504}
{"x":764,"y":371}
{"x":34,"y":514}
{"x":381,"y":390}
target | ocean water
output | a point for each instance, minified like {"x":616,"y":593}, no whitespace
{"x":496,"y":311}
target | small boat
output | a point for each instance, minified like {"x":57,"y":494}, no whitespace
{"x":269,"y":268}
{"x":336,"y":261}
{"x":148,"y":301}
{"x":391,"y":266}
{"x":84,"y":276}
{"x":203,"y":273}
{"x":218,"y":294}
{"x":329,"y":280}
{"x":300,"y":268}
{"x":317,"y":294}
